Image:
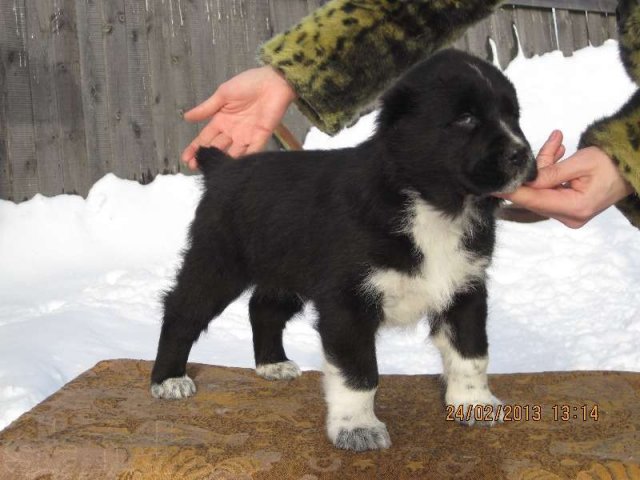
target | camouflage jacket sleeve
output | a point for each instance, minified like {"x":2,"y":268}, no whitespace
{"x":619,"y":134}
{"x":345,"y":53}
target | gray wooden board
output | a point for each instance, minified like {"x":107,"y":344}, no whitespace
{"x":179,"y":63}
{"x":461,"y":43}
{"x":612,"y":26}
{"x":200,"y":16}
{"x":478,"y":40}
{"x":46,"y":120}
{"x":285,"y":15}
{"x":67,"y":85}
{"x":5,"y":184}
{"x":579,"y":30}
{"x":536,"y":30}
{"x":115,"y":41}
{"x":139,"y":148}
{"x":209,"y":30}
{"x":597,"y":28}
{"x":20,"y":136}
{"x":91,"y":33}
{"x":161,"y":95}
{"x":565,"y":32}
{"x":503,"y":35}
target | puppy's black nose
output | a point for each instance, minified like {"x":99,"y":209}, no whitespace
{"x":532,"y":174}
{"x":518,"y":156}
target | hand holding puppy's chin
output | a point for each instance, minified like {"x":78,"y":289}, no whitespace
{"x":506,"y":194}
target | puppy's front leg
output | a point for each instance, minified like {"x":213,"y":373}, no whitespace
{"x":460,"y":335}
{"x":351,"y":379}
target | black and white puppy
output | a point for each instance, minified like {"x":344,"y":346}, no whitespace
{"x":393,"y":230}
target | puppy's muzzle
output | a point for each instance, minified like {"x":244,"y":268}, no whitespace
{"x":521,"y":160}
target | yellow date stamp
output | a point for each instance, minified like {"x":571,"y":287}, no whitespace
{"x":470,"y":413}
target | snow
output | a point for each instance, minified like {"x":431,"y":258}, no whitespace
{"x":81,"y":279}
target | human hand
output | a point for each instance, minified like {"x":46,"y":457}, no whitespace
{"x":244,"y":111}
{"x":572,"y":191}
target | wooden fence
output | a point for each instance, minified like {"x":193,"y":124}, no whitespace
{"x":89,"y":87}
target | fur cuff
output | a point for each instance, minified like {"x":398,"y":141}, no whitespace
{"x":345,"y":53}
{"x":619,"y":137}
{"x":629,"y":31}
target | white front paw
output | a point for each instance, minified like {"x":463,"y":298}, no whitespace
{"x":174,"y":388}
{"x":359,"y":438}
{"x":484,"y":409}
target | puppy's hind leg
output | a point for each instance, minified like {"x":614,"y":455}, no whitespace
{"x":351,"y":376}
{"x":201,"y":293}
{"x":269,"y":313}
{"x":460,"y":335}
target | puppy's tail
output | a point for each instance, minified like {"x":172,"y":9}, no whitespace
{"x":209,"y":159}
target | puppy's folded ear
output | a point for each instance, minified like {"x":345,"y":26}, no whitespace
{"x":398,"y":102}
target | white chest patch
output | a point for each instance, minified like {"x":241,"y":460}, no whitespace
{"x":446,"y":268}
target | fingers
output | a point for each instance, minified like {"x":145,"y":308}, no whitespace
{"x":551,"y":151}
{"x":206,"y":109}
{"x":208,"y":133}
{"x":192,"y":164}
{"x":557,"y":174}
{"x":554,"y":202}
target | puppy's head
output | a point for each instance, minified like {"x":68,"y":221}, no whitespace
{"x":452,"y":122}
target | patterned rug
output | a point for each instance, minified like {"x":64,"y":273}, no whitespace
{"x":105,"y":424}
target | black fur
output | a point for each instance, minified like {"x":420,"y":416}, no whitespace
{"x":312,"y":225}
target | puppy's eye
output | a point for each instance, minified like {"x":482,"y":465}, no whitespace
{"x":466,"y":120}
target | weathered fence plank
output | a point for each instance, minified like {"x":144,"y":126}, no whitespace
{"x":46,"y":120}
{"x":180,"y":65}
{"x":460,"y":43}
{"x":20,"y":135}
{"x":115,"y":41}
{"x":579,"y":30}
{"x":536,"y":31}
{"x":95,"y":93}
{"x":597,"y":28}
{"x":478,"y":40}
{"x":162,"y":97}
{"x":5,"y":174}
{"x":503,"y":35}
{"x":612,"y":26}
{"x":66,"y":83}
{"x":565,"y":32}
{"x":140,"y":149}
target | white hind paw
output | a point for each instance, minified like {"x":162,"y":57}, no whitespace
{"x":287,"y":370}
{"x":173,"y":388}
